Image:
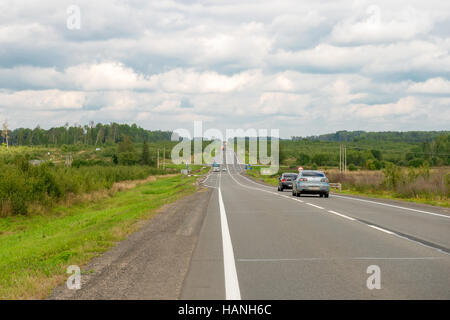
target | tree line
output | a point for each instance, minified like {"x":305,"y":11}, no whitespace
{"x":90,"y":134}
{"x":386,"y":136}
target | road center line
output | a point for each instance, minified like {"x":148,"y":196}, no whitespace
{"x":232,"y":291}
{"x":313,"y":205}
{"x":341,"y":215}
{"x":381,"y":229}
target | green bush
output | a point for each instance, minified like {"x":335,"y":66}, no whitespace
{"x":415,"y":163}
{"x":392,"y":176}
{"x":86,"y":163}
{"x":127,"y":158}
{"x":22,"y":184}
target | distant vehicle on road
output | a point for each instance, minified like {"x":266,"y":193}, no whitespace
{"x":311,"y":182}
{"x":224,"y":169}
{"x":216,"y":167}
{"x":285,"y":181}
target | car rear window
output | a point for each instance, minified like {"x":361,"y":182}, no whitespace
{"x":293,"y":176}
{"x":313,"y":174}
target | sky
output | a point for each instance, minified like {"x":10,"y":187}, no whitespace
{"x":303,"y":67}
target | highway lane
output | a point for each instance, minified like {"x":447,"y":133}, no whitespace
{"x":431,"y":227}
{"x":285,"y":247}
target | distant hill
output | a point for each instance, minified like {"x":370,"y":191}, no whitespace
{"x":386,"y":136}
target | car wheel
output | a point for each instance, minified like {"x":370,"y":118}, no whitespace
{"x":299,"y":194}
{"x":327,"y":195}
{"x":321,"y":195}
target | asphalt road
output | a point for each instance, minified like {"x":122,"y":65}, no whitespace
{"x":239,"y":239}
{"x":257,"y":243}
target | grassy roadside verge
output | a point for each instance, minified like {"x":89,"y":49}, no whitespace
{"x":271,"y":180}
{"x":36,"y":250}
{"x":255,"y":174}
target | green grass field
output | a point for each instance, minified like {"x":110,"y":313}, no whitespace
{"x":36,"y":250}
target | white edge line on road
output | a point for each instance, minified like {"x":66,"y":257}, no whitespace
{"x":393,"y":206}
{"x":207,"y":177}
{"x":248,"y":187}
{"x":232,"y":291}
{"x":341,"y":215}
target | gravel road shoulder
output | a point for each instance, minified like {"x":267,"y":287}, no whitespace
{"x":152,"y":262}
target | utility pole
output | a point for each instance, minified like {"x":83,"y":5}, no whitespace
{"x":164,"y":158}
{"x":340,"y":158}
{"x":5,"y":133}
{"x":157,"y":162}
{"x":345,"y":159}
{"x":69,"y":160}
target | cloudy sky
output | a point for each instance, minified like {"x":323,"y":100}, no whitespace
{"x":305,"y":67}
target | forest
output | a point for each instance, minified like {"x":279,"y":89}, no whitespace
{"x":90,"y":134}
{"x":371,"y":152}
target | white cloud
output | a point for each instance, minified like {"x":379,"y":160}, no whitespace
{"x":190,"y":81}
{"x":404,"y":106}
{"x":234,"y":63}
{"x":272,"y":103}
{"x":42,"y":100}
{"x":381,"y":25}
{"x":431,"y":86}
{"x":103,"y":76}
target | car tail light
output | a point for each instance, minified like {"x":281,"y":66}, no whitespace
{"x":283,"y":180}
{"x":324,"y":180}
{"x":302,"y":179}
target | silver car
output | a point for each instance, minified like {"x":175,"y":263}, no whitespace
{"x":311,"y":182}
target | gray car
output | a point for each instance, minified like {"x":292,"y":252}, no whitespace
{"x":311,"y":182}
{"x":285,"y":181}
